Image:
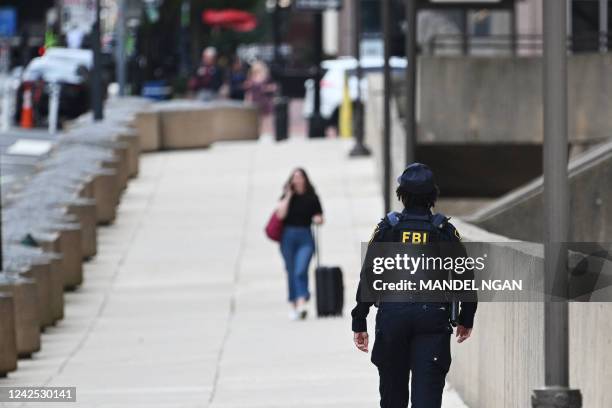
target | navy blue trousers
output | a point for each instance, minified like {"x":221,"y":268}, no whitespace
{"x":412,"y":340}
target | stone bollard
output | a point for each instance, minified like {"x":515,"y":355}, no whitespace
{"x":8,"y":345}
{"x":41,"y":274}
{"x":72,"y":256}
{"x":105,"y":193}
{"x":133,"y":144}
{"x":148,"y":126}
{"x":198,"y":125}
{"x":85,"y":212}
{"x":120,"y":166}
{"x":26,"y":313}
{"x":87,"y":190}
{"x":67,"y":243}
{"x":57,"y":287}
{"x":188,"y":127}
{"x":122,"y":153}
{"x":235,"y":122}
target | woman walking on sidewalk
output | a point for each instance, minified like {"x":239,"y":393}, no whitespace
{"x":299,"y":207}
{"x":260,"y":91}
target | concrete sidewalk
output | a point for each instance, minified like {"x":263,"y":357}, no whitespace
{"x":185,"y":304}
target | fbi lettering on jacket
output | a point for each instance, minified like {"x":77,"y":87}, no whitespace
{"x":414,"y":237}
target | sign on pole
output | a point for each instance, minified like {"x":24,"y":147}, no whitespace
{"x":318,"y":5}
{"x":78,"y":15}
{"x":465,"y":1}
{"x":465,"y":4}
{"x":8,"y":21}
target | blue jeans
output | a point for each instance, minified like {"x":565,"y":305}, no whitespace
{"x":297,"y":247}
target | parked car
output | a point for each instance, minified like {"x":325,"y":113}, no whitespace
{"x":67,"y":67}
{"x":332,"y":84}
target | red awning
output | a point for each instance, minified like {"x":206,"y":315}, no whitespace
{"x":237,"y":20}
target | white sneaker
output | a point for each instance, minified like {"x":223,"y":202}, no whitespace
{"x":294,"y":315}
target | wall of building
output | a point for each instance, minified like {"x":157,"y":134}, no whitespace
{"x":503,"y":361}
{"x":500,"y":99}
{"x":486,"y":113}
{"x":462,"y":176}
{"x":520,"y":214}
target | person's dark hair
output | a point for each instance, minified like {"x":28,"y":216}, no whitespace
{"x":309,"y":187}
{"x":410,"y":199}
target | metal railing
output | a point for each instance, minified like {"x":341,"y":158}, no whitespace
{"x":504,"y":44}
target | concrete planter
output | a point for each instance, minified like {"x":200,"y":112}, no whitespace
{"x":67,"y":244}
{"x":72,"y":256}
{"x":123,"y":169}
{"x":41,"y":274}
{"x":200,"y":126}
{"x":133,"y":144}
{"x":149,"y":132}
{"x":87,"y":189}
{"x":57,"y":288}
{"x":119,"y":165}
{"x":49,"y":242}
{"x":8,"y":344}
{"x":186,"y":128}
{"x":26,"y":313}
{"x":236,"y":123}
{"x":87,"y":218}
{"x":105,"y":192}
{"x":189,"y":124}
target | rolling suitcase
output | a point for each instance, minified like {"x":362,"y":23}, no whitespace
{"x":329,"y":286}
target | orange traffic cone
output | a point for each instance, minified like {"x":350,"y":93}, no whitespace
{"x":27,"y":113}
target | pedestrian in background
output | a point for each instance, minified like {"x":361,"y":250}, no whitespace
{"x":209,"y":76}
{"x":236,"y":79}
{"x":260,"y":91}
{"x":298,"y":208}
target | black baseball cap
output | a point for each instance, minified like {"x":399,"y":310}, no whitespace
{"x":417,"y":179}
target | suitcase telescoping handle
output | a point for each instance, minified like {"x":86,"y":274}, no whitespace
{"x":316,"y":245}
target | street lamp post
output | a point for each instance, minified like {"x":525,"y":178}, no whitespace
{"x":360,"y":148}
{"x":96,"y":75}
{"x":120,"y":44}
{"x":316,"y":126}
{"x":603,"y":25}
{"x":411,"y":81}
{"x":556,"y":392}
{"x":1,"y":228}
{"x":276,"y":35}
{"x":5,"y":55}
{"x":386,"y":148}
{"x":465,"y":31}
